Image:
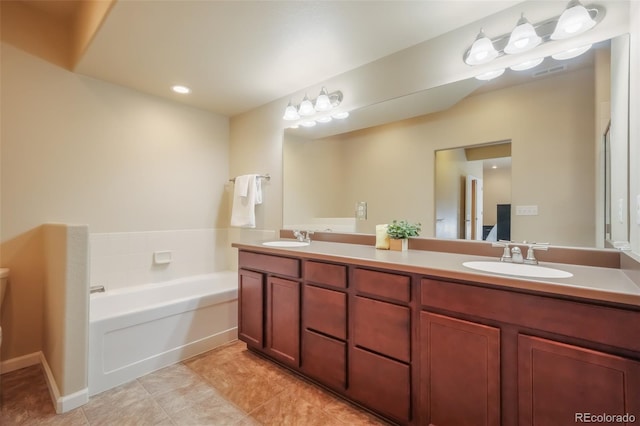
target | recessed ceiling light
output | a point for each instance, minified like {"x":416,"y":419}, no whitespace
{"x":183,"y":90}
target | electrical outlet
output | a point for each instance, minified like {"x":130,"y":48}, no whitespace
{"x":361,"y":210}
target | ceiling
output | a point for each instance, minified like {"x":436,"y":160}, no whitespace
{"x":238,"y":55}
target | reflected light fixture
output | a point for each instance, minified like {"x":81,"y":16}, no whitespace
{"x":340,"y":115}
{"x":314,"y":110}
{"x":490,"y":75}
{"x":481,"y":51}
{"x":571,"y":53}
{"x":575,"y":20}
{"x":522,"y":38}
{"x":527,"y":65}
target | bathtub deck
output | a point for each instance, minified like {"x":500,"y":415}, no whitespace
{"x":228,"y":385}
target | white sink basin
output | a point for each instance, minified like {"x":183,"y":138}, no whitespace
{"x":284,"y":243}
{"x":519,"y":269}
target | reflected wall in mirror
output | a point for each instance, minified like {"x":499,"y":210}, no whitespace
{"x":554,"y":119}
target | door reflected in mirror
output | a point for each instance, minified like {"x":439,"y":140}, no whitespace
{"x":473,"y":192}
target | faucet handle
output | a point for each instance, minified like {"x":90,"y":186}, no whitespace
{"x":506,"y":253}
{"x":531,"y":248}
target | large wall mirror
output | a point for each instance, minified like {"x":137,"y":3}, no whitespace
{"x":532,"y":140}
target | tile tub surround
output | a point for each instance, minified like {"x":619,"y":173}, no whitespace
{"x":125,"y":259}
{"x":226,"y":386}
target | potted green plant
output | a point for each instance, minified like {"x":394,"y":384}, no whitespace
{"x":399,"y":233}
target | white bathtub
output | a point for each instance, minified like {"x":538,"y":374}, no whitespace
{"x":140,"y":329}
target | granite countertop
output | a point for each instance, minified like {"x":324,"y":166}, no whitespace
{"x":587,"y":282}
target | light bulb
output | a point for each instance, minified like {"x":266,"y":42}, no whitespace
{"x":306,"y":107}
{"x":323,"y":103}
{"x":481,"y":51}
{"x":574,"y":20}
{"x":522,"y":38}
{"x":291,"y":113}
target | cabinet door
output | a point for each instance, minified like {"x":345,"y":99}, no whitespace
{"x":460,"y":372}
{"x":283,"y":320}
{"x":251,"y":308}
{"x":560,"y":384}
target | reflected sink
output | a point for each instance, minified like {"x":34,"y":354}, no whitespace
{"x":283,"y":243}
{"x":519,"y":269}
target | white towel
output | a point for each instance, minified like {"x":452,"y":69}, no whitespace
{"x":247,"y":193}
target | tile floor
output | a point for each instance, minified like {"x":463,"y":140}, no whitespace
{"x":226,"y":386}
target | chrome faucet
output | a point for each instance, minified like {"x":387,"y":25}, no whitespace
{"x":303,"y":236}
{"x":514,"y":254}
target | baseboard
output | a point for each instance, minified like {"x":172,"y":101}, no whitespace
{"x":62,"y":403}
{"x":23,"y":361}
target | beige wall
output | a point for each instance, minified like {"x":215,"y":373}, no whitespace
{"x":391,"y":167}
{"x":66,"y":306}
{"x":78,"y":150}
{"x":634,"y":125}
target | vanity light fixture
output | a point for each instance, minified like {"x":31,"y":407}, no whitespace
{"x":522,"y":38}
{"x":340,"y":115}
{"x":574,"y":20}
{"x":309,"y":108}
{"x":308,"y":123}
{"x":183,"y":90}
{"x":324,"y":119}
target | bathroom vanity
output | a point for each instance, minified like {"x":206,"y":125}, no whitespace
{"x":421,"y":340}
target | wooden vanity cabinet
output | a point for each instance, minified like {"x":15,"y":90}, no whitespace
{"x":380,"y":355}
{"x":498,"y":357}
{"x":568,"y":381}
{"x":324,"y":324}
{"x":428,"y":351}
{"x":269,"y":305}
{"x":460,"y":372}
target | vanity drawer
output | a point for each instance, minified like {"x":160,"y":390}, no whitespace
{"x":326,"y":273}
{"x":382,"y":327}
{"x":325,"y":359}
{"x":383,"y":284}
{"x":325,"y":311}
{"x":268,"y":263}
{"x":381,"y":383}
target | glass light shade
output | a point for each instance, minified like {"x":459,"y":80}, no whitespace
{"x":573,"y":21}
{"x":340,"y":115}
{"x":527,"y":65}
{"x":291,"y":113}
{"x":522,"y":38}
{"x":306,"y":107}
{"x":323,"y":103}
{"x":325,"y":119}
{"x":481,"y":51}
{"x":571,"y":53}
{"x":490,"y":75}
{"x":309,"y":123}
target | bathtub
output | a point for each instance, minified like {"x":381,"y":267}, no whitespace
{"x":137,"y":330}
